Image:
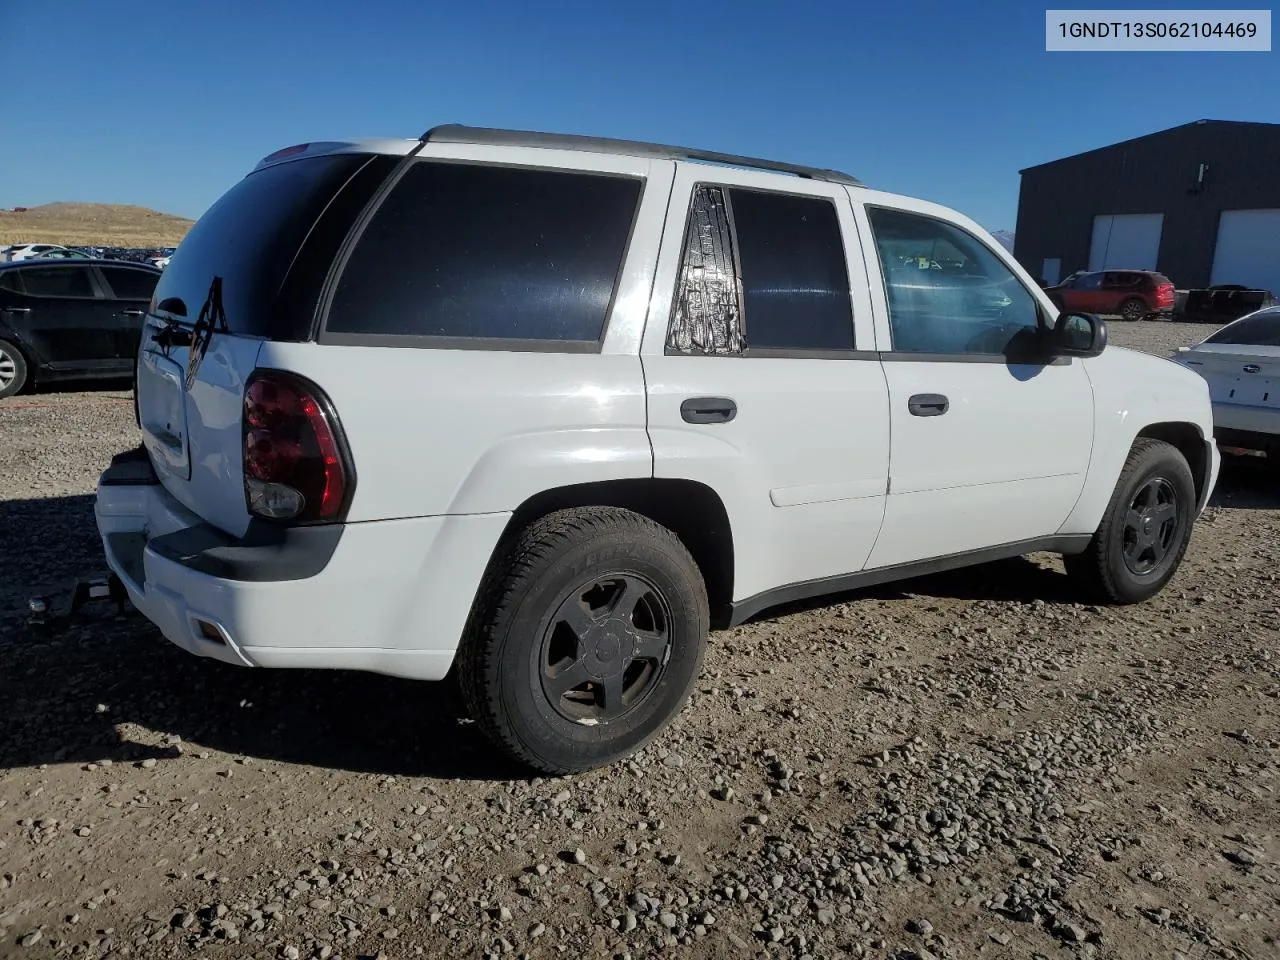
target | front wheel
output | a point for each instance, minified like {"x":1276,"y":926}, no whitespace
{"x":585,"y":639}
{"x":13,"y":369}
{"x":1144,"y":533}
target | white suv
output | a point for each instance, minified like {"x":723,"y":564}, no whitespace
{"x":539,"y":411}
{"x":31,"y":251}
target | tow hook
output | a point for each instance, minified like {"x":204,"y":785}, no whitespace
{"x":46,"y":612}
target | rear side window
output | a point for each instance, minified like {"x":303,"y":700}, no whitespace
{"x":129,"y":284}
{"x":761,"y":271}
{"x":477,"y":252}
{"x":1259,"y":330}
{"x":250,"y":237}
{"x":795,"y":286}
{"x":58,"y":282}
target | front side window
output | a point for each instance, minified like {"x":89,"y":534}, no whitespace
{"x":58,"y":282}
{"x":761,"y":270}
{"x":948,"y":293}
{"x":482,"y":252}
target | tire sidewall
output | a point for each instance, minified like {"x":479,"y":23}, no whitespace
{"x":1170,"y":465}
{"x":561,"y":742}
{"x":20,"y":364}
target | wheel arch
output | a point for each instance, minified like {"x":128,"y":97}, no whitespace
{"x":1187,"y":439}
{"x":691,"y":510}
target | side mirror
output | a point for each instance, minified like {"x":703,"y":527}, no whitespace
{"x":1079,"y":335}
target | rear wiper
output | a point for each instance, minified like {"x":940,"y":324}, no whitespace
{"x":172,"y":334}
{"x":212,"y":319}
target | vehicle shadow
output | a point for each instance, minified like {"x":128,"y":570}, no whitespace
{"x":1244,"y":484}
{"x":73,"y":695}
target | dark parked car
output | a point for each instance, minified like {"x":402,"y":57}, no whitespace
{"x":1131,"y":294}
{"x":70,"y":319}
{"x":1223,"y":303}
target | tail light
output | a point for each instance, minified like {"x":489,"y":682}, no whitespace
{"x":296,"y":463}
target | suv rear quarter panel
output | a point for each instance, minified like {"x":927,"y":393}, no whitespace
{"x":479,"y":429}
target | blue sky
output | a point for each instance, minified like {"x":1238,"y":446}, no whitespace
{"x":166,"y":104}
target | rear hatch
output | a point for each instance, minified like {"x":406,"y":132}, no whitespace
{"x":253,"y":268}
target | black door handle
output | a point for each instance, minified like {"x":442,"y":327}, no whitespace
{"x":15,"y":309}
{"x":132,"y":313}
{"x":928,"y":405}
{"x":708,"y":410}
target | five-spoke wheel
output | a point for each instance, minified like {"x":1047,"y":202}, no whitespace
{"x":585,"y":639}
{"x":605,"y":648}
{"x":1145,"y":530}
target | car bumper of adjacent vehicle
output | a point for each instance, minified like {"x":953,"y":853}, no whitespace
{"x":389,"y":597}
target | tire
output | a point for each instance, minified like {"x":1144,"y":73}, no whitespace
{"x":1133,"y":310}
{"x":565,"y":699}
{"x":13,"y":369}
{"x":1154,"y":479}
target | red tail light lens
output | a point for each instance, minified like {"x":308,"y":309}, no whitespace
{"x":296,"y":465}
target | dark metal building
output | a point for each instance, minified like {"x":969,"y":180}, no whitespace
{"x":1199,"y":202}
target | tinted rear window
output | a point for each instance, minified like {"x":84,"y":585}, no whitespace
{"x":128,"y":284}
{"x":250,"y":236}
{"x":795,"y":286}
{"x":481,"y":252}
{"x":1260,"y":330}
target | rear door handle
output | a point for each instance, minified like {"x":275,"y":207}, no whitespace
{"x":708,"y":410}
{"x":928,"y":405}
{"x":15,"y":309}
{"x":132,"y":313}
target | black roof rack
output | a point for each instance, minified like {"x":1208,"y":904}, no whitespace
{"x":458,"y":133}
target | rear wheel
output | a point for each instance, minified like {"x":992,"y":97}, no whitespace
{"x":1144,"y":533}
{"x":13,"y":369}
{"x":1133,"y":310}
{"x":585,"y":639}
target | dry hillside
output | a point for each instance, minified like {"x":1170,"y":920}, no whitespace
{"x":92,"y":224}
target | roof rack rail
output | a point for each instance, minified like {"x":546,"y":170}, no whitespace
{"x":488,"y":136}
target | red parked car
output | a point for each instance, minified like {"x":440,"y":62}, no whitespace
{"x":1131,"y":294}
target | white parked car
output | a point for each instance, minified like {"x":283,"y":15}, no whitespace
{"x":1241,"y":362}
{"x":31,"y":251}
{"x":539,"y":411}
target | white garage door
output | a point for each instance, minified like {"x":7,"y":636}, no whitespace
{"x":1129,"y":241}
{"x":1248,"y":250}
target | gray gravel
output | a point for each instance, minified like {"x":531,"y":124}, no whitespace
{"x":965,"y":765}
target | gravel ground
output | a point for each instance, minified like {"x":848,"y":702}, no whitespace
{"x":961,"y":766}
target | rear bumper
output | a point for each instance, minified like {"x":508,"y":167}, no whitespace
{"x":388,"y":597}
